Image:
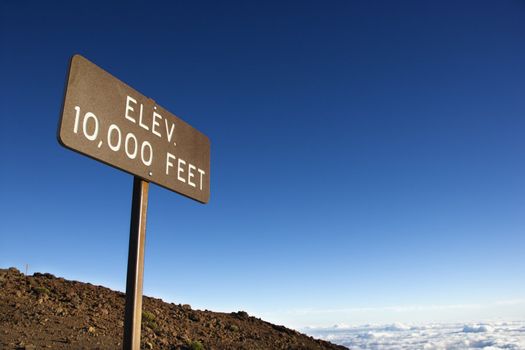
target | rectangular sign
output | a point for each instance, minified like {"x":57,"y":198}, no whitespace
{"x":107,"y":120}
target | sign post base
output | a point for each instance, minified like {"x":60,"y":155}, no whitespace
{"x":135,"y":276}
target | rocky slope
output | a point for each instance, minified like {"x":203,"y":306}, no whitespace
{"x":42,"y":311}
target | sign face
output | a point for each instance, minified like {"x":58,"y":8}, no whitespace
{"x":109,"y":121}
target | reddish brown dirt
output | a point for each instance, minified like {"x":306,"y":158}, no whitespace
{"x":45,"y":312}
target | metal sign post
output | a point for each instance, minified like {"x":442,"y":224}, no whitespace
{"x":135,"y":277}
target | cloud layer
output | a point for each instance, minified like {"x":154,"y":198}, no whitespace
{"x":487,"y":336}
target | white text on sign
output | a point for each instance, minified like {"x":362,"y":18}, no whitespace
{"x":89,"y":126}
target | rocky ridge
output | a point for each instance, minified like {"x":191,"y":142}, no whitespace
{"x":45,"y":312}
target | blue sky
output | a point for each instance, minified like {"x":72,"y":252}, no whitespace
{"x":367,"y":157}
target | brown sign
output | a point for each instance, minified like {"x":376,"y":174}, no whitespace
{"x":109,"y":121}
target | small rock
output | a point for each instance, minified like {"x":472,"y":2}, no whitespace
{"x":91,"y":330}
{"x":242,"y":315}
{"x":149,"y":345}
{"x":233,"y":327}
{"x":14,"y":270}
{"x":194,"y":317}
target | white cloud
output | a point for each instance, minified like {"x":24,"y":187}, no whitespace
{"x":477,"y":329}
{"x":487,"y":336}
{"x":395,"y":327}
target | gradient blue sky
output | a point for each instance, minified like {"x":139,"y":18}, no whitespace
{"x":368,"y":157}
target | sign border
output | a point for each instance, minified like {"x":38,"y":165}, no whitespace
{"x":63,"y":144}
